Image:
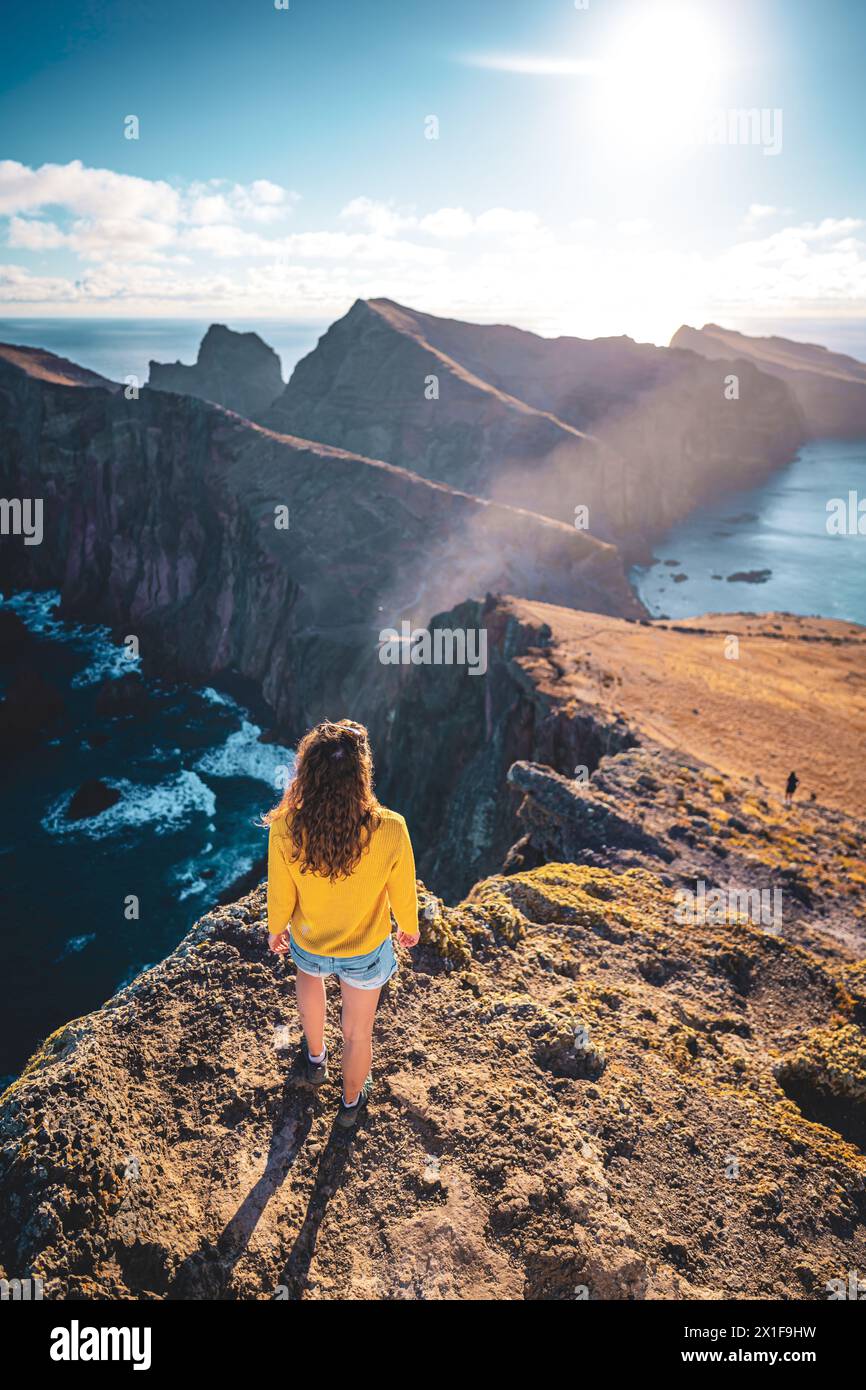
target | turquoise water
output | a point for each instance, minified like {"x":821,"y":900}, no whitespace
{"x":117,"y":348}
{"x":779,"y":529}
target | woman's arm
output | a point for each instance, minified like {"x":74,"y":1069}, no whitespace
{"x":282,"y":893}
{"x":402,"y":892}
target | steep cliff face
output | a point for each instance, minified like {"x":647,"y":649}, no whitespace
{"x":638,"y":434}
{"x":829,"y":387}
{"x":564,"y":689}
{"x":235,"y":370}
{"x":647,"y":1110}
{"x":226,"y":548}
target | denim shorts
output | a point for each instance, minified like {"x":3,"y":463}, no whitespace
{"x":361,"y":972}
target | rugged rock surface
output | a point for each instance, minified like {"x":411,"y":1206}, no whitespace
{"x":647,"y":1110}
{"x":639,"y":434}
{"x":829,"y":387}
{"x":237,"y":370}
{"x":161,"y":519}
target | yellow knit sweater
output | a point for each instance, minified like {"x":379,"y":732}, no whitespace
{"x":351,"y":916}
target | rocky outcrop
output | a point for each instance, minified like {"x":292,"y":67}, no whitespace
{"x":637,"y":434}
{"x":566,"y":689}
{"x":228,"y":549}
{"x":829,"y":387}
{"x":648,"y":1110}
{"x":652,"y":1107}
{"x":236,"y":370}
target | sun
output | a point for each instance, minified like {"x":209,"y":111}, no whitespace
{"x":660,"y":74}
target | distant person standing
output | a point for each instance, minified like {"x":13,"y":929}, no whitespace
{"x":791,"y":786}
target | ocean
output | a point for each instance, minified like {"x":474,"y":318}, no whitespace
{"x":193,"y":779}
{"x":117,"y":348}
{"x":778,"y":534}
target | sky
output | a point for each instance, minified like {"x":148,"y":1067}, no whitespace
{"x":572,"y":166}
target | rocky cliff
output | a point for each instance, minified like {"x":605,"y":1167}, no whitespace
{"x":226,"y":548}
{"x":236,"y":370}
{"x":753,"y":696}
{"x":579,"y":1091}
{"x":638,"y":434}
{"x":829,"y":387}
{"x":577,"y":1095}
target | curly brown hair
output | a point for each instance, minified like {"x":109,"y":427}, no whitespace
{"x":330,"y":808}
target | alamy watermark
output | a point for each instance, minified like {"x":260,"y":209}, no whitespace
{"x":22,"y":516}
{"x":22,"y":1290}
{"x":438,"y":646}
{"x":728,"y":906}
{"x":847,"y":516}
{"x":854,"y":1288}
{"x":760,"y":126}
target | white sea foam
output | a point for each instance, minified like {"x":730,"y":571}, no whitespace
{"x":188,"y":879}
{"x":218,"y":697}
{"x":164,"y":808}
{"x":108,"y":659}
{"x":242,"y":755}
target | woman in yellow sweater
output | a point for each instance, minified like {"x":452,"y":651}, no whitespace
{"x":338,"y":865}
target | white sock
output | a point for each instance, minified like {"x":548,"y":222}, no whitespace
{"x":317,"y":1061}
{"x":354,"y":1102}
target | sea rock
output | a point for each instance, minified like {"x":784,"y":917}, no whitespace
{"x":750,"y":576}
{"x":235,"y":370}
{"x":92,"y":798}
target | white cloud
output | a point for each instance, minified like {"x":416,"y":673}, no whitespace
{"x":131,"y":245}
{"x":447,"y":223}
{"x":530,"y":65}
{"x":638,"y":226}
{"x":759,"y":212}
{"x":32,"y":234}
{"x":120,"y":214}
{"x":84,"y":192}
{"x":219,"y":201}
{"x":381,"y":218}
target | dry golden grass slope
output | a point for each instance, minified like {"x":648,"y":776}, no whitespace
{"x":793,"y":698}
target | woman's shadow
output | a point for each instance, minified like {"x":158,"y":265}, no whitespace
{"x":206,"y":1273}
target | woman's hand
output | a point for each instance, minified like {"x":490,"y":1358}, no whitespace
{"x":408,"y":941}
{"x":278,"y":943}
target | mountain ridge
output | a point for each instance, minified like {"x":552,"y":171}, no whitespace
{"x":637,"y":434}
{"x":829,"y":387}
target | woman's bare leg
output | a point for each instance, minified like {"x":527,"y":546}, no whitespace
{"x":359,"y":1011}
{"x":310,"y":990}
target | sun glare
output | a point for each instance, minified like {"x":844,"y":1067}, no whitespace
{"x":660,"y":74}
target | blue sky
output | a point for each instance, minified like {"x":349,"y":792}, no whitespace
{"x":579,"y":182}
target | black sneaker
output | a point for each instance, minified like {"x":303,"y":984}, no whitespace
{"x":315,"y":1073}
{"x":348,"y":1114}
